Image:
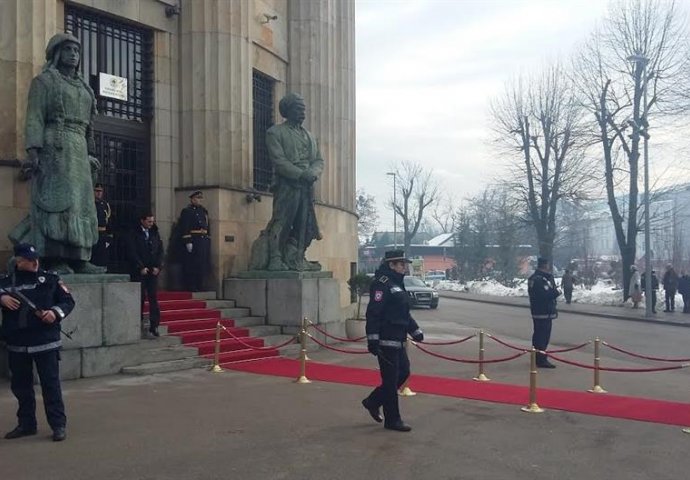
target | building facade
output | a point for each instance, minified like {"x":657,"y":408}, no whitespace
{"x":203,"y":81}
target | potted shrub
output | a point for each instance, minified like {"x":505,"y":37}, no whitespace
{"x":359,"y":285}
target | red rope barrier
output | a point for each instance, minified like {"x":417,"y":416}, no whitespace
{"x":505,"y":344}
{"x":465,"y":360}
{"x":341,"y":350}
{"x":563,"y":350}
{"x":340,"y":339}
{"x":637,"y":355}
{"x":451,"y":342}
{"x":622,"y":370}
{"x":239,"y":340}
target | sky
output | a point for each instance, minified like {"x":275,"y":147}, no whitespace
{"x":427,"y":71}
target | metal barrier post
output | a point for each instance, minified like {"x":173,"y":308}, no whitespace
{"x":216,"y":368}
{"x":303,"y":354}
{"x":532,"y":407}
{"x":597,"y":388}
{"x":480,"y":374}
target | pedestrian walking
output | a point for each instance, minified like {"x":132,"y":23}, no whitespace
{"x":670,"y":281}
{"x":146,"y":257}
{"x":655,"y":287}
{"x":388,"y":324}
{"x":542,"y":300}
{"x":100,"y":252}
{"x":684,"y":290}
{"x":635,"y":288}
{"x":194,"y":227}
{"x":568,"y":282}
{"x":34,"y":302}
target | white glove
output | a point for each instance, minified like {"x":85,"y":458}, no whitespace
{"x":107,"y":244}
{"x":189,"y":247}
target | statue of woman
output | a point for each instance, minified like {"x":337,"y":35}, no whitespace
{"x":62,"y":221}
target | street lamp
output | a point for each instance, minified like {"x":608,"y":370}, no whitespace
{"x":641,"y":62}
{"x":395,"y":216}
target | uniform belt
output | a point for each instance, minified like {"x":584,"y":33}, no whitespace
{"x":36,"y":348}
{"x":102,"y":229}
{"x":198,"y":232}
{"x":391,"y":343}
{"x":545,"y":316}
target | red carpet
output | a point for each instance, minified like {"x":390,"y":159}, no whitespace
{"x":615,"y":406}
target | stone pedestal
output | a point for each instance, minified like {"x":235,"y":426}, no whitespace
{"x":284,"y":298}
{"x":106,"y":317}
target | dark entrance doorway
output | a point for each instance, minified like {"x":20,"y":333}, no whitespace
{"x":122,"y":127}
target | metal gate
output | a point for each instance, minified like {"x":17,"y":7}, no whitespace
{"x":122,"y":127}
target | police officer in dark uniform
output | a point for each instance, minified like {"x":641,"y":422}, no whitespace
{"x":100,"y":251}
{"x":542,"y":301}
{"x":194,"y":228}
{"x":34,"y":302}
{"x":388,"y":324}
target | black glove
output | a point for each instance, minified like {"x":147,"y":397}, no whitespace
{"x":418,"y":336}
{"x":373,"y":347}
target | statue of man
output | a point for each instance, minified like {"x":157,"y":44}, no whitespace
{"x":297,"y":164}
{"x":62,"y":222}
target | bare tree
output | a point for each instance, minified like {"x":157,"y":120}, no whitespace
{"x":368,"y":217}
{"x":537,"y":121}
{"x":416,"y":191}
{"x":444,"y":213}
{"x":612,"y":88}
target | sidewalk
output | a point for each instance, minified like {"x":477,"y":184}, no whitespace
{"x":676,"y":318}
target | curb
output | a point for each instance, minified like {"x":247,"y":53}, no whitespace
{"x":497,"y":301}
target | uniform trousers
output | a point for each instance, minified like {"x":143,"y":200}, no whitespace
{"x":22,"y":385}
{"x":149,"y":290}
{"x":196,"y":263}
{"x":394,"y":367}
{"x":568,"y":293}
{"x":99,"y":252}
{"x":541,"y":336}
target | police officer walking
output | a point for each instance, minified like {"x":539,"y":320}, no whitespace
{"x":542,"y":301}
{"x":388,"y":324}
{"x":34,"y":302}
{"x":100,"y":251}
{"x":194,"y":228}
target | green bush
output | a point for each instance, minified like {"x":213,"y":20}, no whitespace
{"x":359,"y":285}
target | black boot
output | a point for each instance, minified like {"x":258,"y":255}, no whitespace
{"x":398,"y":426}
{"x":19,"y":432}
{"x":373,"y":411}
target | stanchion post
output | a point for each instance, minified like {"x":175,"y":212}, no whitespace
{"x":303,"y":354}
{"x":404,"y":390}
{"x":533,"y":407}
{"x":481,"y":377}
{"x":216,"y":368}
{"x":597,"y":388}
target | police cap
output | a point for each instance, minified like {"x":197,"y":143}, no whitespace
{"x":25,"y":250}
{"x":542,"y":262}
{"x":395,"y":256}
{"x":98,"y":187}
{"x":196,"y":193}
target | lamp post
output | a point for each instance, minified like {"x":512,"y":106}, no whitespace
{"x":641,"y":62}
{"x":395,"y":215}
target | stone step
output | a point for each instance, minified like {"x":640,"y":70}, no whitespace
{"x":166,"y":354}
{"x":221,"y":304}
{"x":263,"y":330}
{"x":236,"y":312}
{"x":167,"y":366}
{"x":204,"y":295}
{"x":249,"y":321}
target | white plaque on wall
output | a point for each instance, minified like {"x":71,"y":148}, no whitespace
{"x":112,"y":86}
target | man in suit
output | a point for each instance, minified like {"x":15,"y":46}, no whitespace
{"x":146,"y":257}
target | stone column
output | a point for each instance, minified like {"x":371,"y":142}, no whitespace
{"x":321,"y":69}
{"x":215,"y":93}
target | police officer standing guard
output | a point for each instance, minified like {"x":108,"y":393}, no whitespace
{"x":542,"y":301}
{"x":388,"y":324}
{"x":100,"y":251}
{"x":34,"y":302}
{"x":194,"y":227}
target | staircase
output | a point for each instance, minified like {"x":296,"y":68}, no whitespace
{"x":191,"y":318}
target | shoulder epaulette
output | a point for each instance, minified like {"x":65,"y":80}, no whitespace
{"x":383,"y":279}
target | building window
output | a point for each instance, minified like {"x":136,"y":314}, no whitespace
{"x":263,"y":87}
{"x":119,"y":49}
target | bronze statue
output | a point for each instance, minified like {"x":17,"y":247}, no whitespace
{"x":62,"y":221}
{"x":297,"y":164}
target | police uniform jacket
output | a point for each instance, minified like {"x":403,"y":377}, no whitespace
{"x":542,"y":295}
{"x":103,"y":213}
{"x":193,"y":222}
{"x":22,"y":329}
{"x":388,"y":313}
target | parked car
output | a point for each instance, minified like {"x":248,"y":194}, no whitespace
{"x":420,"y":293}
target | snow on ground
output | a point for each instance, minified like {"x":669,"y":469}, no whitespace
{"x":601,"y":293}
